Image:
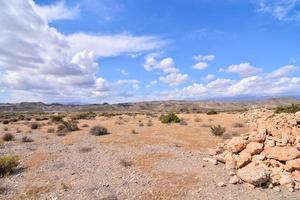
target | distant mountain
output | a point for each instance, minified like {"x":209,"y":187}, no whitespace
{"x":152,"y":106}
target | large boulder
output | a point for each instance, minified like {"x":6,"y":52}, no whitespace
{"x":254,"y":148}
{"x":255,"y":175}
{"x":236,"y":145}
{"x":243,"y":159}
{"x":292,"y":165}
{"x":284,"y":153}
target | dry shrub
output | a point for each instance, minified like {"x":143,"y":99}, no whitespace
{"x":238,"y":125}
{"x":99,"y":130}
{"x":141,"y":124}
{"x":50,"y":130}
{"x":183,"y":122}
{"x":126,"y":163}
{"x":85,"y":149}
{"x":212,"y":112}
{"x":35,"y":125}
{"x":67,"y":126}
{"x":7,"y":164}
{"x":197,"y":120}
{"x":8,"y":137}
{"x":217,"y":130}
{"x":5,"y":121}
{"x":27,"y":139}
{"x":169,"y":118}
{"x":134,"y":131}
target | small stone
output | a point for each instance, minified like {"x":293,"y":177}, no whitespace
{"x":221,"y":184}
{"x":277,"y":189}
{"x":233,"y":179}
{"x":291,"y":189}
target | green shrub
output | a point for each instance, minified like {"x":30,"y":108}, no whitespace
{"x":217,"y":130}
{"x":7,"y":164}
{"x":7,"y":137}
{"x":212,"y":112}
{"x":56,"y":118}
{"x":98,"y":130}
{"x":288,"y":109}
{"x":67,"y":126}
{"x":169,"y":118}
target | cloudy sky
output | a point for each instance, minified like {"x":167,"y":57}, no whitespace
{"x":95,"y":51}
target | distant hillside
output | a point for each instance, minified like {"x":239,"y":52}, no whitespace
{"x":151,"y":106}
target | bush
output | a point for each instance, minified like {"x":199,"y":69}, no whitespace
{"x":7,"y":164}
{"x":67,"y":126}
{"x":50,"y":130}
{"x":288,"y":109}
{"x":27,"y":139}
{"x":56,"y":118}
{"x":183,"y":122}
{"x":217,"y":130}
{"x":98,"y":130}
{"x":197,"y":120}
{"x":7,"y":137}
{"x":84,"y":115}
{"x":169,"y":118}
{"x":34,"y":125}
{"x":5,"y":121}
{"x":212,"y":112}
{"x":238,"y":125}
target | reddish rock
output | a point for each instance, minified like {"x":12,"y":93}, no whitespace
{"x":284,"y":153}
{"x":254,"y":148}
{"x":236,"y":145}
{"x":292,"y":165}
{"x":255,"y":175}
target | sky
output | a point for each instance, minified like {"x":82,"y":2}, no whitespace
{"x":96,"y":51}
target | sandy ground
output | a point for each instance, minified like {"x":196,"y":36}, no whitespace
{"x":157,"y":162}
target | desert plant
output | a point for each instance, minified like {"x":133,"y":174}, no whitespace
{"x":141,"y":124}
{"x":7,"y":164}
{"x":56,"y":118}
{"x":212,"y":112}
{"x":197,"y":120}
{"x":26,"y":139}
{"x":217,"y":130}
{"x":5,"y":121}
{"x":67,"y":126}
{"x":126,"y":163}
{"x":183,"y":122}
{"x":5,"y":128}
{"x":34,"y":125}
{"x":85,"y":149}
{"x":98,"y":130}
{"x":50,"y":130}
{"x":8,"y":137}
{"x":237,"y":125}
{"x":169,"y":118}
{"x":288,"y":109}
{"x":134,"y":131}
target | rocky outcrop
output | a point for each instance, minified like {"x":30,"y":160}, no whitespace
{"x":267,"y":155}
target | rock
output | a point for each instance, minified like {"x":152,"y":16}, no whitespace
{"x":270,"y":143}
{"x":236,"y":145}
{"x":255,"y":175}
{"x":233,"y":179}
{"x":243,"y":159}
{"x":221,"y":184}
{"x":297,"y":114}
{"x":292,"y":165}
{"x":282,"y":153}
{"x":254,"y":148}
{"x":277,"y":189}
{"x":296,"y":176}
{"x":258,"y":136}
{"x":285,"y":180}
{"x":212,"y":160}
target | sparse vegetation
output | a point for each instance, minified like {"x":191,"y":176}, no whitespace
{"x":197,"y":120}
{"x":212,"y":112}
{"x":83,"y":115}
{"x":67,"y":126}
{"x":134,"y":131}
{"x":126,"y":163}
{"x":141,"y":124}
{"x":84,"y":125}
{"x":50,"y":130}
{"x":85,"y":149}
{"x":288,"y":109}
{"x":56,"y":118}
{"x":169,"y":118}
{"x":217,"y":130}
{"x":238,"y":125}
{"x":99,"y":130}
{"x":35,"y":125}
{"x":5,"y":128}
{"x":26,"y":139}
{"x":7,"y":164}
{"x":5,"y":121}
{"x":7,"y":137}
{"x":183,"y":122}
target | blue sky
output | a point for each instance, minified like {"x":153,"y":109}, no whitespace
{"x":98,"y":51}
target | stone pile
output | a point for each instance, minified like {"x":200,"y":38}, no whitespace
{"x":266,"y":156}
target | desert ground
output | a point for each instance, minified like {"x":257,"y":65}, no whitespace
{"x":140,"y":158}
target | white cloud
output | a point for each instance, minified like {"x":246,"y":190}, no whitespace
{"x":134,"y":83}
{"x":40,"y":62}
{"x":209,"y":77}
{"x":243,"y":69}
{"x":205,"y":58}
{"x":154,"y":82}
{"x":124,"y":72}
{"x":283,"y":71}
{"x":200,"y":65}
{"x":194,"y":90}
{"x":57,"y":11}
{"x":174,"y":79}
{"x":167,"y":65}
{"x":281,"y":9}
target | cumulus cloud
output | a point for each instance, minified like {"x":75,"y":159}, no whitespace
{"x":200,"y":65}
{"x":209,"y":77}
{"x":124,"y":72}
{"x":174,"y":79}
{"x":205,"y":58}
{"x":283,"y":71}
{"x":38,"y":61}
{"x":281,"y":9}
{"x":57,"y":11}
{"x":243,"y":69}
{"x":167,"y":65}
{"x":134,"y":83}
{"x":202,"y":61}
